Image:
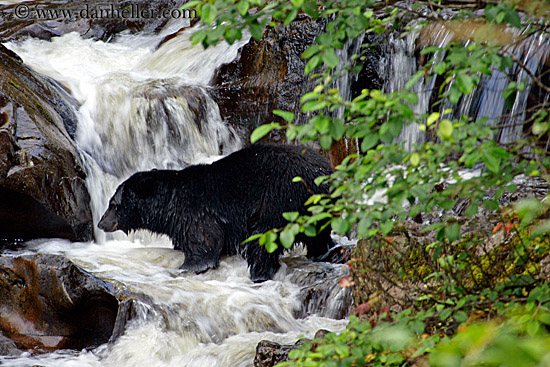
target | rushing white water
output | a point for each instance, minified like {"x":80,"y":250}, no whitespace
{"x":142,"y":107}
{"x":212,"y":319}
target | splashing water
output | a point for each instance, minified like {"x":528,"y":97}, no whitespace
{"x":143,"y":108}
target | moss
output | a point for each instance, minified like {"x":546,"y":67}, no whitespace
{"x":394,"y":270}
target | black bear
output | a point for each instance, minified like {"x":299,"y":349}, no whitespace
{"x":208,"y":210}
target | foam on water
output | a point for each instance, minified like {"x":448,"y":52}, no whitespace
{"x":211,"y":319}
{"x":142,"y":108}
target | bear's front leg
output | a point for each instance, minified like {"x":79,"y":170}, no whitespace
{"x":202,"y":251}
{"x":198,"y":265}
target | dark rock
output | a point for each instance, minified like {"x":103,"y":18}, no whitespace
{"x":320,"y":290}
{"x":42,"y":189}
{"x":48,"y":303}
{"x":8,"y":347}
{"x":269,"y":353}
{"x":369,"y":77}
{"x":95,"y":19}
{"x":267,"y":75}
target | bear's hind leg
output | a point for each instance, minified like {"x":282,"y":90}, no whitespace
{"x":319,"y":245}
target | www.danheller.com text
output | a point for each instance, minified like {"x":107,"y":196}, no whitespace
{"x":98,"y":11}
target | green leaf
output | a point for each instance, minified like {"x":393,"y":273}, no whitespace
{"x":445,"y":129}
{"x":340,"y":226}
{"x":252,"y":238}
{"x":263,"y":130}
{"x":314,"y":106}
{"x":465,"y":82}
{"x":460,"y":316}
{"x":415,"y":159}
{"x":472,"y":210}
{"x":330,"y":59}
{"x":256,"y":31}
{"x":232,"y":34}
{"x":491,"y":12}
{"x":491,"y":162}
{"x":314,"y":62}
{"x":368,"y":142}
{"x":490,"y":204}
{"x":198,"y":37}
{"x":310,"y":8}
{"x":270,"y":245}
{"x":209,"y":13}
{"x":386,"y":227}
{"x":454,"y":94}
{"x":312,"y":50}
{"x":243,"y":7}
{"x":290,"y":16}
{"x":287,"y":116}
{"x":291,"y":216}
{"x":539,"y":128}
{"x":364,"y":226}
{"x":336,"y":130}
{"x":445,"y":314}
{"x":447,"y":205}
{"x":287,"y":238}
{"x":322,"y":123}
{"x":433,"y":118}
{"x":326,"y":141}
{"x":440,"y":68}
{"x":429,"y":50}
{"x":190,"y":4}
{"x":513,"y":18}
{"x":452,"y":232}
{"x":268,"y":240}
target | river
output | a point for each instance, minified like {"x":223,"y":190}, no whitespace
{"x":137,"y":111}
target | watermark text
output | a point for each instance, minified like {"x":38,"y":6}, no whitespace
{"x":101,"y":11}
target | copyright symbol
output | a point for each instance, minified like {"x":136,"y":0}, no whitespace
{"x":22,"y":11}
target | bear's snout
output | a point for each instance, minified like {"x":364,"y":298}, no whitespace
{"x":108,"y":222}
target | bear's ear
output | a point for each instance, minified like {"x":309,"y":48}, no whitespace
{"x":145,"y":187}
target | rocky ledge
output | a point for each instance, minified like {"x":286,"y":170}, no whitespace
{"x":42,"y":189}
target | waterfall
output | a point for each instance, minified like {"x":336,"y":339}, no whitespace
{"x":144,"y":107}
{"x":400,"y":63}
{"x":397,"y":67}
{"x":141,"y":108}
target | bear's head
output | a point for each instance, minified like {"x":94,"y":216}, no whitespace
{"x":129,"y":207}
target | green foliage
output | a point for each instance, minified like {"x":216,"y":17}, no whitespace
{"x":478,"y":303}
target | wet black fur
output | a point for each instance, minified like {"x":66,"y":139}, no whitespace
{"x":208,"y":210}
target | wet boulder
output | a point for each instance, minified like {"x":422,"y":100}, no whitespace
{"x":49,"y":303}
{"x":42,"y":189}
{"x":321,"y":292}
{"x":269,"y":354}
{"x":267,"y":75}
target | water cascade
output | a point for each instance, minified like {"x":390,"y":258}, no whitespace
{"x":143,"y":108}
{"x":400,"y":62}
